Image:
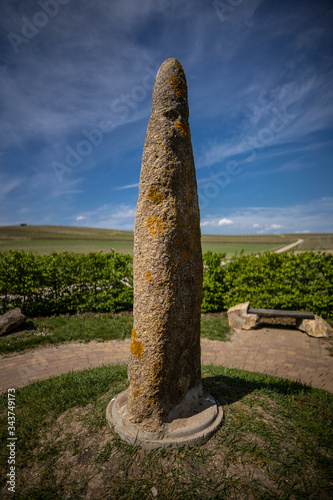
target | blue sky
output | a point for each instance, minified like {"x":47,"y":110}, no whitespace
{"x":76,"y":79}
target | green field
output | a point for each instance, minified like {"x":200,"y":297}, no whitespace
{"x":45,"y":247}
{"x":48,"y":239}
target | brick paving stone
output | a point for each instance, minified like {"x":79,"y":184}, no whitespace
{"x":283,"y":353}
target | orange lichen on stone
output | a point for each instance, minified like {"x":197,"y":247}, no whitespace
{"x":156,"y":225}
{"x":183,"y":128}
{"x":147,"y":276}
{"x":177,"y":85}
{"x":136,"y":346}
{"x":155,"y":195}
{"x":180,"y":69}
{"x":167,"y":263}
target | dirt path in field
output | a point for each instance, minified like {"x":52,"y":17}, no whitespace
{"x":288,"y":247}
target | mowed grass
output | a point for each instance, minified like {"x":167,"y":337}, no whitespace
{"x":276,"y":441}
{"x":43,"y":332}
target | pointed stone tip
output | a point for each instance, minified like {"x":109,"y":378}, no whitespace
{"x":171,"y":65}
{"x":171,"y":68}
{"x":170,"y":88}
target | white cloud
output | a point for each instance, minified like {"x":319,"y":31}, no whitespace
{"x":81,"y":217}
{"x":225,"y":222}
{"x":315,"y":216}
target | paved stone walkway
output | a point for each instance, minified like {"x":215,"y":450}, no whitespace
{"x":284,"y":353}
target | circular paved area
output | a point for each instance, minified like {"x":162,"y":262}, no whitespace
{"x":284,"y":353}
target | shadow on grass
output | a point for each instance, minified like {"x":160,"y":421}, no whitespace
{"x":228,"y":389}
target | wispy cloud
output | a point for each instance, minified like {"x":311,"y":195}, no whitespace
{"x":127,"y":186}
{"x":260,"y":94}
{"x":108,"y":216}
{"x":8,"y":184}
{"x":315,"y":216}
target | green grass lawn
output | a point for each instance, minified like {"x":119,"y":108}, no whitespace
{"x":275,"y":442}
{"x":42,"y":332}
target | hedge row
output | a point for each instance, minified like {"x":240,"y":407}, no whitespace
{"x":70,"y":283}
{"x":65,"y":282}
{"x":302,"y":282}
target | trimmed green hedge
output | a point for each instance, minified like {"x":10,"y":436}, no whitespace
{"x":70,"y":283}
{"x":302,"y":282}
{"x":65,"y":282}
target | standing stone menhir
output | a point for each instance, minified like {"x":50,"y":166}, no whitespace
{"x":165,"y":404}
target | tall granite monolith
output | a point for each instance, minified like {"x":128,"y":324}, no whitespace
{"x":165,"y":404}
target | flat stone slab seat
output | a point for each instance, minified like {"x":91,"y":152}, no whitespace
{"x":192,"y":422}
{"x":244,"y":317}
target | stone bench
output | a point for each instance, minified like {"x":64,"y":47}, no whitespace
{"x":244,"y":317}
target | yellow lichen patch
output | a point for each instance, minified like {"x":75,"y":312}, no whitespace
{"x":156,"y":225}
{"x":183,"y":128}
{"x":155,"y":195}
{"x":180,"y":69}
{"x":136,"y":346}
{"x":177,"y":85}
{"x":147,"y":276}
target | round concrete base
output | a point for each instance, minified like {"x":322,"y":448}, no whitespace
{"x":192,"y":422}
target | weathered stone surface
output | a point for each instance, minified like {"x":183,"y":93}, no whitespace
{"x":238,"y":317}
{"x":11,"y":320}
{"x":317,"y":327}
{"x":165,"y":350}
{"x":165,"y":404}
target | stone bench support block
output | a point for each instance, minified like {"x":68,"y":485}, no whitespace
{"x":317,"y":327}
{"x":239,"y":318}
